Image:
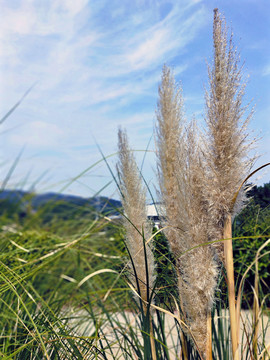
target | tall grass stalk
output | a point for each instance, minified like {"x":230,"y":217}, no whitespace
{"x":226,"y":150}
{"x":228,"y":253}
{"x":137,"y":227}
{"x":209,"y":337}
{"x":256,"y":311}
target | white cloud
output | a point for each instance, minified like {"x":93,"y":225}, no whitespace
{"x":98,"y":63}
{"x":148,"y":51}
{"x":266,"y":70}
{"x":73,"y":7}
{"x":18,"y":21}
{"x":38,"y":134}
{"x":86,"y":62}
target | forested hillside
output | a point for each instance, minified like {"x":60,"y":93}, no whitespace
{"x":50,"y":209}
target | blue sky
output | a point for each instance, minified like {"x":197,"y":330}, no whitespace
{"x":96,"y":65}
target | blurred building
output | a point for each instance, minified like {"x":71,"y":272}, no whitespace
{"x":155,"y":213}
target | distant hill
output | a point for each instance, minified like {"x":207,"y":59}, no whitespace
{"x":99,"y":203}
{"x":54,"y":206}
{"x":12,"y":195}
{"x":19,"y":201}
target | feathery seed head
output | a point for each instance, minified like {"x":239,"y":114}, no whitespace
{"x":170,"y":121}
{"x":181,"y":172}
{"x":226,"y":143}
{"x":137,"y":227}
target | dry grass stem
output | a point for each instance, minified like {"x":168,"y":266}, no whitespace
{"x":228,"y":253}
{"x":209,"y":337}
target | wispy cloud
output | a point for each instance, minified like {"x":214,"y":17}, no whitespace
{"x":38,"y":134}
{"x":266,"y":70}
{"x":62,"y":47}
{"x":97,"y":64}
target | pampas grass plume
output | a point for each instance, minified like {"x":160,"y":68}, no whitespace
{"x":137,"y":227}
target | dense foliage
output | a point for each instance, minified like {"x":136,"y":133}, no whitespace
{"x":252,"y":227}
{"x":46,"y":253}
{"x":47,"y":220}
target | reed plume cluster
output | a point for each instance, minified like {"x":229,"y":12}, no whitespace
{"x":180,"y":171}
{"x":199,"y":175}
{"x":137,"y":227}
